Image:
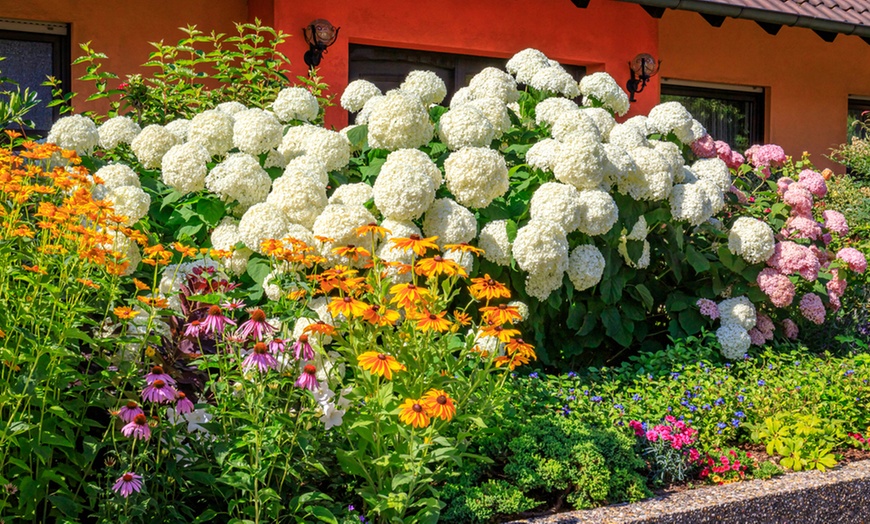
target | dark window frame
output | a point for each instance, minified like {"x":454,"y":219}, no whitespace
{"x":61,"y":62}
{"x":857,"y":105}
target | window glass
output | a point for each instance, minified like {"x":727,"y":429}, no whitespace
{"x":858,"y":119}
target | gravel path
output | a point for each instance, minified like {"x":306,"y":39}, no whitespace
{"x":841,"y":495}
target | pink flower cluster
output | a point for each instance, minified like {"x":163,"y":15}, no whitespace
{"x":790,"y":329}
{"x":731,"y":158}
{"x":674,"y":431}
{"x":813,"y":182}
{"x":763,"y":330}
{"x":812,"y":308}
{"x":800,"y":199}
{"x":854,"y":258}
{"x":778,"y":287}
{"x":789,"y":258}
{"x":704,"y":147}
{"x":708,"y":308}
{"x":836,"y":288}
{"x":799,"y":226}
{"x":767,"y":155}
{"x":835,"y":222}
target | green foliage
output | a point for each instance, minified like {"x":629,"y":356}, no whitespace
{"x":15,"y":104}
{"x":804,"y":441}
{"x":855,"y":154}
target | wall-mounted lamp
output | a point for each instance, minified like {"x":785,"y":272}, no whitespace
{"x":319,"y":35}
{"x":643,"y":67}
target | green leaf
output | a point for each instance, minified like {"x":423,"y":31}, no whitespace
{"x":698,"y":261}
{"x":634,"y":249}
{"x":611,"y":289}
{"x":614,"y":327}
{"x":324,"y":515}
{"x":211,"y":210}
{"x":576,"y":312}
{"x":511,"y":228}
{"x":645,"y":296}
{"x":258,"y":269}
{"x":691,"y":321}
{"x":357,"y":136}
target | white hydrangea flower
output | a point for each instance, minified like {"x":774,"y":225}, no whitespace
{"x":402,"y":191}
{"x":465,"y":126}
{"x":627,"y":137}
{"x":671,"y":152}
{"x":231,"y":108}
{"x":618,"y":165}
{"x":698,"y":131}
{"x":735,"y":341}
{"x":476,"y":176}
{"x":115,"y":176}
{"x":76,"y":133}
{"x":575,"y":122}
{"x":751,"y":239}
{"x":179,"y":127}
{"x":738,"y":311}
{"x":603,"y":120}
{"x":239,"y":177}
{"x":256,"y":131}
{"x":399,"y":121}
{"x":225,"y":237}
{"x":598,"y":212}
{"x":339,"y":223}
{"x":419,"y":161}
{"x":585,"y":266}
{"x":542,"y":285}
{"x":689,"y":202}
{"x":543,"y":154}
{"x":295,"y":103}
{"x":640,"y":123}
{"x":357,"y":93}
{"x":463,"y":258}
{"x":463,"y":95}
{"x":151,"y":144}
{"x":184,"y":167}
{"x":559,"y":203}
{"x":493,"y":240}
{"x":685,"y":175}
{"x":495,"y":112}
{"x":261,"y":222}
{"x":496,"y":83}
{"x":130,"y":202}
{"x":555,"y":80}
{"x":118,"y":130}
{"x":274,"y":159}
{"x":450,"y":222}
{"x":330,"y":147}
{"x":522,"y":309}
{"x":639,"y":230}
{"x":603,"y":88}
{"x":541,"y":249}
{"x":425,"y":84}
{"x":580,"y":162}
{"x":526,"y":63}
{"x":670,"y":117}
{"x":352,"y":194}
{"x":714,"y":195}
{"x":308,"y":165}
{"x":549,"y":110}
{"x":213,"y":130}
{"x":715,"y":170}
{"x":299,"y":197}
{"x":362,"y":117}
{"x":654,"y":178}
{"x":272,"y":284}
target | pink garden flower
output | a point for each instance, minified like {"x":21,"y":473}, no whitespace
{"x":158,"y":392}
{"x":812,"y":308}
{"x":827,"y":238}
{"x":233,"y":304}
{"x":256,"y":325}
{"x":277,"y":345}
{"x":193,"y":329}
{"x":756,"y":338}
{"x":215,"y":321}
{"x":183,"y":404}
{"x":790,"y":329}
{"x":800,"y":200}
{"x":836,"y":288}
{"x":789,"y":258}
{"x":129,"y":411}
{"x":157,"y":373}
{"x":813,"y":182}
{"x":835,"y":222}
{"x":802,"y":227}
{"x":704,"y":147}
{"x":260,"y":358}
{"x":764,"y":325}
{"x":137,"y":428}
{"x":783,"y":184}
{"x":741,"y":196}
{"x":127,"y":484}
{"x":308,"y":378}
{"x":856,"y":260}
{"x":735,"y":160}
{"x":768,"y":155}
{"x":302,"y":348}
{"x":708,"y":308}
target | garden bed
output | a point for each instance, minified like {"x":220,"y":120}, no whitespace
{"x":838,"y":495}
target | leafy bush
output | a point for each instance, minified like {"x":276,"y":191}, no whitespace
{"x":855,"y":154}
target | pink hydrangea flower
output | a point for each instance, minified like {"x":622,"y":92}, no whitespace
{"x":835,"y":222}
{"x":736,"y":160}
{"x":820,"y":254}
{"x":756,"y":338}
{"x":790,"y":329}
{"x":800,"y":200}
{"x":731,"y":158}
{"x":704,"y":147}
{"x":708,"y":308}
{"x":836,"y":288}
{"x":778,"y":287}
{"x":827,"y":238}
{"x":802,"y":227}
{"x":789,"y":257}
{"x":767,"y":155}
{"x":856,"y":260}
{"x":813,"y":182}
{"x":812,"y":308}
{"x":741,"y":196}
{"x":783,"y":184}
{"x":764,"y":324}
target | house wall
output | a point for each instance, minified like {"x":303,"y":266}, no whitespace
{"x":602,"y":37}
{"x":807,"y":80}
{"x":122,"y":29}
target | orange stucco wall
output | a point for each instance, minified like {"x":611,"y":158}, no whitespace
{"x":807,"y":80}
{"x":122,"y":28}
{"x":603,"y":36}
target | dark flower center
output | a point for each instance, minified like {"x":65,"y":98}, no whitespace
{"x":347,"y":300}
{"x":303,"y":339}
{"x":414,"y":237}
{"x":128,"y":477}
{"x":260,"y":348}
{"x":140,"y":420}
{"x":157,"y":370}
{"x":132,"y":405}
{"x":310,"y":369}
{"x":432,"y":317}
{"x":442,"y":399}
{"x":438,"y":258}
{"x":181,"y":396}
{"x":214,"y":311}
{"x":381,"y":356}
{"x":417,"y":408}
{"x":490,"y":282}
{"x":502,"y":306}
{"x":257,"y":315}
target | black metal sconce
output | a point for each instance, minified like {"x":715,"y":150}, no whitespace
{"x":643,"y":67}
{"x":319,"y":35}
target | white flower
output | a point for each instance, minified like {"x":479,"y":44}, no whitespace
{"x":316,"y":340}
{"x":295,"y":103}
{"x":118,"y":130}
{"x":419,"y":161}
{"x":739,"y":311}
{"x":672,"y":154}
{"x":714,"y":195}
{"x":225,"y":237}
{"x":357,"y":93}
{"x":465,"y":126}
{"x":526,"y":63}
{"x":179,"y":127}
{"x":494,"y":242}
{"x":462,"y":95}
{"x":272,"y":284}
{"x":575,"y":122}
{"x":399,"y":121}
{"x":549,"y":110}
{"x":115,"y":176}
{"x":715,"y":170}
{"x":239,"y":177}
{"x":76,"y":133}
{"x":330,"y":147}
{"x":496,"y":83}
{"x":585,"y":266}
{"x":299,"y":197}
{"x":654,"y":178}
{"x":689,"y":202}
{"x":476,"y":176}
{"x":639,"y":230}
{"x":627,"y":137}
{"x":310,"y":166}
{"x":464,"y":259}
{"x":130,"y":202}
{"x":450,"y":222}
{"x":541,"y":249}
{"x":339,"y":222}
{"x":639,"y":122}
{"x":555,"y":80}
{"x":256,"y":131}
{"x":543,"y":154}
{"x":495,"y":112}
{"x":557,"y":202}
{"x":522,"y":309}
{"x":604,"y":89}
{"x":597,"y":213}
{"x":751,"y":239}
{"x":151,"y":144}
{"x":697,"y":132}
{"x":275,"y":159}
{"x":362,"y":117}
{"x":580,"y":162}
{"x":332,"y":416}
{"x":425,"y":84}
{"x":603,"y":120}
{"x":402,"y":191}
{"x":261,"y":222}
{"x":352,"y":194}
{"x":213,"y":130}
{"x":685,"y":175}
{"x":618,"y":164}
{"x":734,"y":340}
{"x":231,"y":108}
{"x":184,"y":167}
{"x":670,"y":117}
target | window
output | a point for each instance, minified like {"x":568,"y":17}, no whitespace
{"x":33,"y":51}
{"x":858,"y":119}
{"x":733,"y":114}
{"x":387,"y":67}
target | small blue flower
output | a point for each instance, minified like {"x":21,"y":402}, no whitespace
{"x":719,"y":401}
{"x":570,"y":390}
{"x":707,"y":406}
{"x":739,"y":414}
{"x":675,"y":375}
{"x":728,"y":364}
{"x":693,"y":408}
{"x":739,"y":398}
{"x":684,"y":402}
{"x":596,"y":398}
{"x":670,"y":409}
{"x":761,"y":382}
{"x":635,"y":397}
{"x":350,"y":508}
{"x":619,"y":406}
{"x":721,"y":425}
{"x":735,"y":422}
{"x":533,"y":374}
{"x":849,"y":372}
{"x":571,"y":374}
{"x":571,"y":398}
{"x":586,"y":392}
{"x":770,"y":366}
{"x":797,"y":363}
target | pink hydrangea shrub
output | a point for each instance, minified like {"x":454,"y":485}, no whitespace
{"x":708,"y":308}
{"x":856,"y":260}
{"x":812,"y":308}
{"x":800,"y":200}
{"x":789,"y":258}
{"x":835,"y":222}
{"x":813,"y":182}
{"x":836,"y":288}
{"x":778,"y":287}
{"x":783,"y":184}
{"x":790,"y":329}
{"x":767,"y":155}
{"x":802,"y":227}
{"x":704,"y":147}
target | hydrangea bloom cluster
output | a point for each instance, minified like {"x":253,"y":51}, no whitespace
{"x":295,"y":103}
{"x":476,"y":176}
{"x":116,"y":131}
{"x":751,"y":239}
{"x":239,"y":178}
{"x":737,"y":316}
{"x":151,"y":144}
{"x":256,"y":131}
{"x":76,"y":132}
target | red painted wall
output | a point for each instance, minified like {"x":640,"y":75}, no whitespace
{"x":602,"y":37}
{"x":807,"y":80}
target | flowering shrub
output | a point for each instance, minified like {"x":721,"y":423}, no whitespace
{"x":669,"y":447}
{"x":727,"y":466}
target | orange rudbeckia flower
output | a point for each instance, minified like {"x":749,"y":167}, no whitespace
{"x":439,"y":265}
{"x":413,"y":413}
{"x":464,"y":247}
{"x":347,"y":306}
{"x":431,"y":321}
{"x":408,"y":295}
{"x":438,"y":403}
{"x":372,"y":229}
{"x":487,"y":288}
{"x":501,"y":314}
{"x":415,"y":243}
{"x":379,"y":364}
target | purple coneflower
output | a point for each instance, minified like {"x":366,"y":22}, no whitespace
{"x":234,"y":304}
{"x":302,"y":349}
{"x":158,"y":392}
{"x":308,"y":378}
{"x":193,"y":329}
{"x":260,"y":358}
{"x":256,"y":325}
{"x":137,"y":428}
{"x":129,"y":412}
{"x":277,"y":345}
{"x":157,"y":373}
{"x":127,"y":484}
{"x":215,"y":321}
{"x":183,"y":404}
